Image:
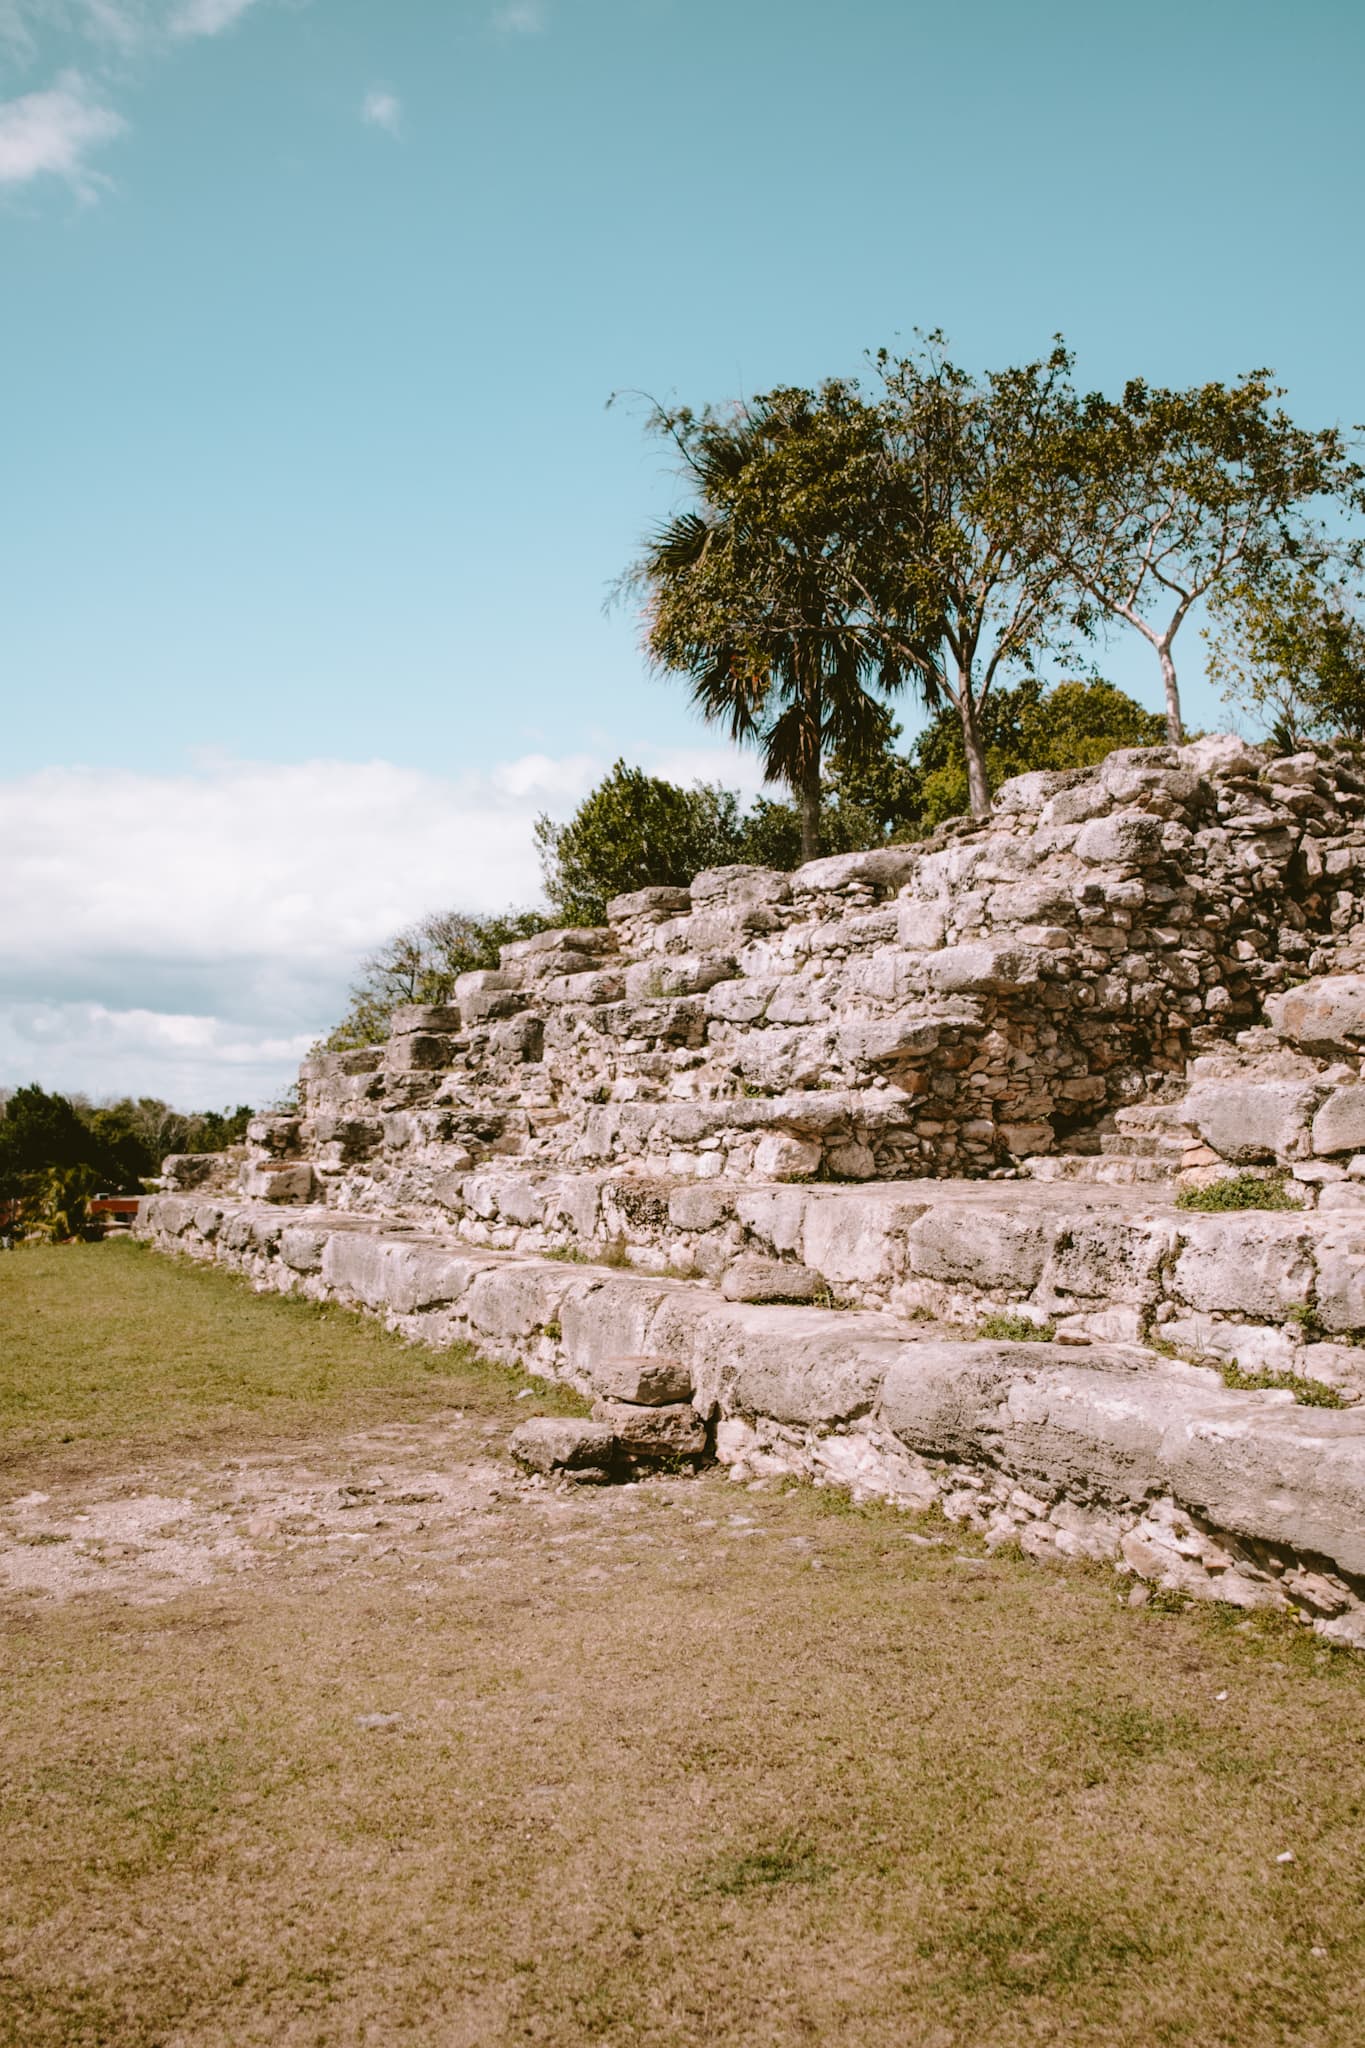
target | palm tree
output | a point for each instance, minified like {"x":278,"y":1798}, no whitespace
{"x":763,"y":593}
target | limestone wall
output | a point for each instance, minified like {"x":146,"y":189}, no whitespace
{"x":998,"y":993}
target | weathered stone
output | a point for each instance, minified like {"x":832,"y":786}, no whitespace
{"x":676,"y":975}
{"x":287,"y":1182}
{"x":427,"y":1017}
{"x":645,"y":1382}
{"x":988,"y":968}
{"x":783,"y":1158}
{"x":1124,"y":839}
{"x":196,"y":1169}
{"x":1325,"y":1016}
{"x":1248,"y":1120}
{"x":755,"y":1279}
{"x":1001,"y":1252}
{"x":654,"y":1433}
{"x":649,"y":903}
{"x":550,"y":1443}
{"x":1248,"y":1264}
{"x":1339,"y":1125}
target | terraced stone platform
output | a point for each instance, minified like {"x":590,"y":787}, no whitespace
{"x":1110,"y":1451}
{"x":803,"y":1133}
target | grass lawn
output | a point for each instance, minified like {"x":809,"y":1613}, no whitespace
{"x":322,"y":1727}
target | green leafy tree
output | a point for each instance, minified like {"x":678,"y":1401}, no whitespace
{"x":635,"y":831}
{"x":1290,"y":652}
{"x":767,"y":593}
{"x":1071,"y":725}
{"x":981,"y":584}
{"x":1164,"y":496}
{"x":421,"y":964}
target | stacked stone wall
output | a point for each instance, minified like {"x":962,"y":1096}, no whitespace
{"x":1000,"y":992}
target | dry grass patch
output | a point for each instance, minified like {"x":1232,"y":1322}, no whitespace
{"x":672,"y":1764}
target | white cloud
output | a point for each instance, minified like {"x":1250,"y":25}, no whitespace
{"x":520,"y":17}
{"x":53,"y":133}
{"x":382,"y":109}
{"x":206,"y":17}
{"x":190,"y":935}
{"x":193,"y":1062}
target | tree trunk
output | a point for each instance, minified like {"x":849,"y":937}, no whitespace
{"x":808,"y":794}
{"x":808,"y":798}
{"x":978,"y":783}
{"x":1175,"y":732}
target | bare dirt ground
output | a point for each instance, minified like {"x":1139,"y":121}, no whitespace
{"x":324,"y":1727}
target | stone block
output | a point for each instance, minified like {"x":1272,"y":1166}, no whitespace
{"x":1325,"y":1016}
{"x":1025,"y":795}
{"x":604,"y":985}
{"x":882,"y":868}
{"x":649,"y":1434}
{"x":550,"y":1443}
{"x":999,"y":1250}
{"x":515,"y":1301}
{"x":1124,"y":839}
{"x":437,"y":1017}
{"x":778,"y":1157}
{"x":853,"y":1238}
{"x":1243,"y":1264}
{"x":921,"y":926}
{"x":194,"y":1169}
{"x":657,"y":902}
{"x":519,"y":1038}
{"x":301,"y":1248}
{"x":1339,"y":1300}
{"x":757,"y":1279}
{"x":987,"y":968}
{"x":884,"y":1041}
{"x":644,"y":1381}
{"x":808,"y":1367}
{"x":740,"y":884}
{"x":1249,"y":1120}
{"x":698,"y":1208}
{"x":677,"y":974}
{"x":1339,"y":1125}
{"x":291,"y":1182}
{"x":573,"y":938}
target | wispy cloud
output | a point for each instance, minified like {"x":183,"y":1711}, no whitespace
{"x":382,"y":109}
{"x":54,"y":134}
{"x":206,"y":17}
{"x":520,"y":17}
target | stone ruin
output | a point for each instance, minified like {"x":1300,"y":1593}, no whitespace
{"x":821,"y":1152}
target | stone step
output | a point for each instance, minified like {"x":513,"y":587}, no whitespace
{"x":1110,"y":1452}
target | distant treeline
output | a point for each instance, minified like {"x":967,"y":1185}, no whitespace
{"x":56,"y":1151}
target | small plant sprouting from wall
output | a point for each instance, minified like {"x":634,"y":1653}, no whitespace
{"x":1009,"y":1327}
{"x":1308,"y":1393}
{"x":1239,"y":1191}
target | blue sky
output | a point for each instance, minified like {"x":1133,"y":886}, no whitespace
{"x":311,"y":311}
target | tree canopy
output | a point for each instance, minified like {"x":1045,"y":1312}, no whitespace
{"x":1289,"y":651}
{"x":1170,"y":495}
{"x":765,"y":592}
{"x":956,"y":532}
